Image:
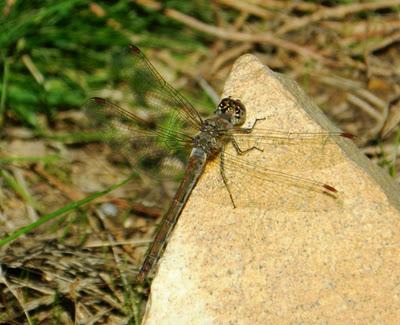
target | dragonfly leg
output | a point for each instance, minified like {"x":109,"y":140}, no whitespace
{"x":224,"y":179}
{"x":240,"y":151}
{"x":247,"y":130}
{"x":250,"y":128}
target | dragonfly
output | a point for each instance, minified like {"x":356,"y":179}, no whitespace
{"x":180,"y":130}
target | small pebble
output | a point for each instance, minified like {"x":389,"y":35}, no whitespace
{"x":109,"y":209}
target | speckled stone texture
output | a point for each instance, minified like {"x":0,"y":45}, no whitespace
{"x":287,"y":256}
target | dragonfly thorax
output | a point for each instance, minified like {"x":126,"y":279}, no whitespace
{"x":208,"y":142}
{"x":213,"y":135}
{"x":231,"y":110}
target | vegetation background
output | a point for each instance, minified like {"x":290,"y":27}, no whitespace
{"x":54,"y":55}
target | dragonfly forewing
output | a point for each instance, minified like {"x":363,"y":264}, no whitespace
{"x":150,"y":148}
{"x":298,"y":150}
{"x":150,"y":90}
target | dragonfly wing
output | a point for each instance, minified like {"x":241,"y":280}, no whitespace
{"x":257,"y":186}
{"x":152,"y":145}
{"x":300,"y":150}
{"x":150,"y":90}
{"x":150,"y":149}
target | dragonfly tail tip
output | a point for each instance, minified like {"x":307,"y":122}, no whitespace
{"x":140,"y":277}
{"x":330,"y":188}
{"x":348,"y":135}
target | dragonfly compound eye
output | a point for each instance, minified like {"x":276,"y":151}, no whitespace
{"x":225,"y":105}
{"x":233,"y":110}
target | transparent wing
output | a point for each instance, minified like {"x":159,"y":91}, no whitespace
{"x":150,"y":148}
{"x":285,"y":180}
{"x":277,"y":136}
{"x":271,"y":189}
{"x":299,"y":150}
{"x":150,"y":90}
{"x":158,"y":141}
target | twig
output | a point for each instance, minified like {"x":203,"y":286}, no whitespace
{"x":358,"y":31}
{"x":362,"y":104}
{"x":374,"y":150}
{"x":229,"y":55}
{"x":337,"y":81}
{"x":70,"y":193}
{"x":238,"y":36}
{"x":354,"y":86}
{"x":16,"y":294}
{"x":240,"y":20}
{"x":33,"y":69}
{"x":212,"y":94}
{"x":246,"y":7}
{"x":392,"y":118}
{"x":286,"y":5}
{"x":387,"y":41}
{"x":247,"y":37}
{"x":379,"y":103}
{"x":360,"y":97}
{"x":140,"y":209}
{"x":135,"y":243}
{"x":336,"y":12}
{"x":367,"y":108}
{"x":378,"y":67}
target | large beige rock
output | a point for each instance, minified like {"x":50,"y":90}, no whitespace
{"x":304,"y":258}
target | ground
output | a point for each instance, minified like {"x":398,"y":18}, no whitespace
{"x":345,"y":55}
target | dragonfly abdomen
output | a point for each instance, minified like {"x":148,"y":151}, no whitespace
{"x":195,"y":167}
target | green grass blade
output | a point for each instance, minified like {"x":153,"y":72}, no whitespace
{"x":69,"y":207}
{"x":4,"y":88}
{"x":30,"y":159}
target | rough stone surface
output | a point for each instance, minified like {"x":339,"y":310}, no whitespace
{"x":300,"y":259}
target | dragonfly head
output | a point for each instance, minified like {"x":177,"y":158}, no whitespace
{"x":232,"y":110}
